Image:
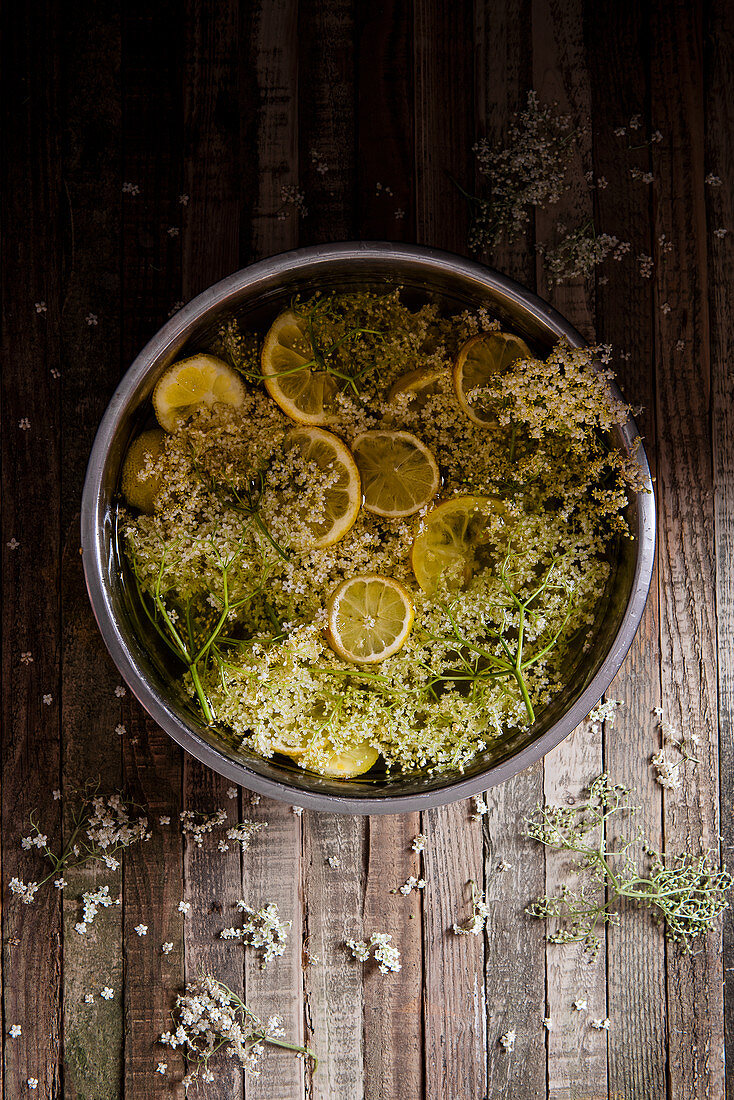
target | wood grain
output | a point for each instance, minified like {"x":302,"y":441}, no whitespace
{"x":635,"y":953}
{"x":686,"y":523}
{"x":454,"y":994}
{"x":92,"y":750}
{"x":514,"y":869}
{"x":31,"y":501}
{"x":152,"y":50}
{"x":392,"y":1026}
{"x":577,"y":1053}
{"x":720,"y":213}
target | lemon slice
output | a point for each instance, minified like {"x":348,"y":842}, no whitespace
{"x":304,"y":394}
{"x":421,"y":384}
{"x":480,"y":358}
{"x":399,"y":473}
{"x":198,"y":380}
{"x":140,"y":483}
{"x":369,"y":618}
{"x":451,"y":539}
{"x":343,"y":495}
{"x":355,"y":760}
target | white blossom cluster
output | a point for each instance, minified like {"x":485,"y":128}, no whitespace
{"x":384,"y":953}
{"x":91,"y":902}
{"x":196,"y":825}
{"x":209,"y":1017}
{"x":604,"y":713}
{"x":474,"y":924}
{"x":261,"y":929}
{"x":245,"y":831}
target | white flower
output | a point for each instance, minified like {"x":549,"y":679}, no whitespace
{"x":580,"y":1005}
{"x":164,"y":820}
{"x":173,"y":231}
{"x":480,"y":807}
{"x":721,"y":232}
{"x":167,"y":948}
{"x":120,"y":730}
{"x":508,"y":1040}
{"x":711,"y":180}
{"x":297,"y":810}
{"x":161,"y":1067}
{"x":26,"y":658}
{"x":184,"y":907}
{"x":32,"y":1082}
{"x":107,"y":994}
{"x":635,"y":122}
{"x":92,"y":319}
{"x":120,"y":691}
{"x":89,"y":998}
{"x":183,"y":200}
{"x":14,"y":1031}
{"x":24,"y":423}
{"x":547,"y":1023}
{"x":620,"y":131}
{"x":13,"y":545}
{"x":141,"y":929}
{"x":334,"y":861}
{"x":55,"y":372}
{"x":60,"y":883}
{"x":232,"y":792}
{"x":666,"y":308}
{"x":130,"y":189}
{"x":41,"y":307}
{"x":601,"y":1025}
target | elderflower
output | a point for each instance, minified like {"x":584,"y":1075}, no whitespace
{"x":261,"y":929}
{"x":419,"y":842}
{"x":530,"y":171}
{"x":167,"y":947}
{"x":601,"y":1025}
{"x":196,"y":825}
{"x":32,"y":1082}
{"x":412,"y":883}
{"x":107,"y":993}
{"x":208,"y":1017}
{"x":91,"y":902}
{"x":245,"y":831}
{"x":604,"y":714}
{"x":385,"y":954}
{"x":184,"y":907}
{"x":14,"y":1031}
{"x":508,"y":1040}
{"x":580,"y":1005}
{"x":141,"y":929}
{"x":576,"y":253}
{"x":480,"y":911}
{"x":161,"y":1067}
{"x":480,"y":807}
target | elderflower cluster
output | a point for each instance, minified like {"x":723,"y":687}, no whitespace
{"x":530,"y":171}
{"x":209,"y":1017}
{"x":261,"y":929}
{"x":604,"y":713}
{"x":384,"y":953}
{"x":91,"y":902}
{"x":474,"y":924}
{"x":577,"y":253}
{"x":245,"y":831}
{"x":196,"y":825}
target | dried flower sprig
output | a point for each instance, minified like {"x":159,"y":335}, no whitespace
{"x":100,"y":827}
{"x":687,"y":892}
{"x":386,"y":955}
{"x":209,"y":1017}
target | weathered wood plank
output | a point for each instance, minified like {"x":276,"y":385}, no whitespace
{"x":327,"y":106}
{"x":386,"y":165}
{"x":719,"y":156}
{"x":635,"y":952}
{"x":90,"y":215}
{"x":210,"y":245}
{"x":152,"y":168}
{"x":514,"y":869}
{"x":270,"y":134}
{"x":334,"y":986}
{"x":333,"y":898}
{"x":271,"y":869}
{"x":577,"y":1054}
{"x":444,"y":126}
{"x":453,"y":979}
{"x":686,"y":520}
{"x":393,"y":1031}
{"x":31,"y":176}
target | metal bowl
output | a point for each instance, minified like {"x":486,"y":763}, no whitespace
{"x":255,"y":295}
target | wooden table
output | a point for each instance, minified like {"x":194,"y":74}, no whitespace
{"x":149,"y":146}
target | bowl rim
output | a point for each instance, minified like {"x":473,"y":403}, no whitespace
{"x":93,"y":504}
